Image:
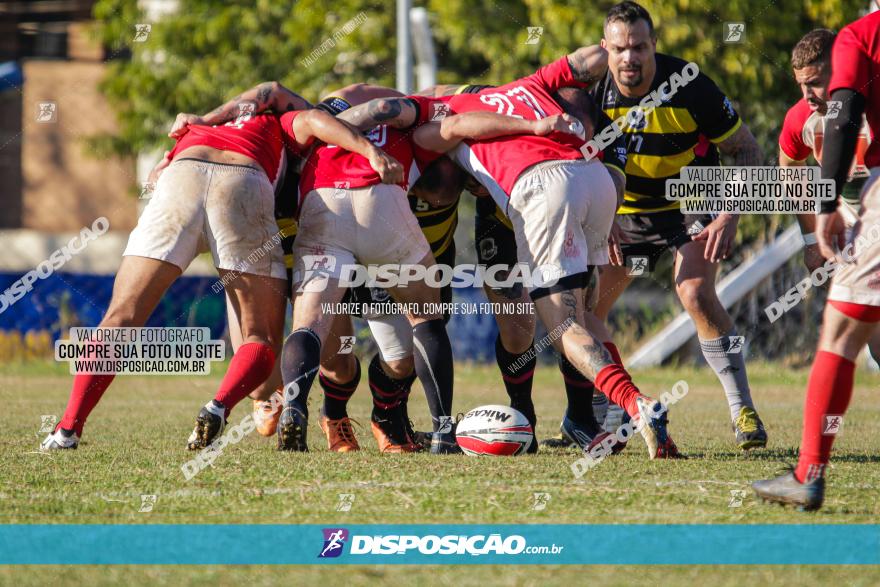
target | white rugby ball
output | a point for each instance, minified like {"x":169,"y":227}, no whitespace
{"x":494,"y":430}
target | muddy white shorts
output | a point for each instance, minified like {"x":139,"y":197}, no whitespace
{"x":858,"y":280}
{"x":341,"y":228}
{"x":561,"y":213}
{"x":393,"y":335}
{"x":200,"y":206}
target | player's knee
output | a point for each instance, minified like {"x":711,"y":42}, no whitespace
{"x":517,"y":339}
{"x":399,"y":368}
{"x":696,"y":295}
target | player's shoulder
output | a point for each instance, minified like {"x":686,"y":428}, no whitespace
{"x":696,"y":80}
{"x":865,"y":28}
{"x":796,"y":116}
{"x":669,"y":63}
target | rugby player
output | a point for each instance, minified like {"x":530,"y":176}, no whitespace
{"x":215,"y":193}
{"x":689,"y":127}
{"x":360,"y":222}
{"x":561,"y":207}
{"x":802,"y":133}
{"x":433,"y":200}
{"x":495,"y":244}
{"x":300,"y":130}
{"x":853,"y":308}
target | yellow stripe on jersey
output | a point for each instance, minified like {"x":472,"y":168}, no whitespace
{"x":727,"y":135}
{"x":630,"y":197}
{"x":502,"y":218}
{"x":286,"y":226}
{"x":663,"y":120}
{"x":657,"y":166}
{"x":437,"y":224}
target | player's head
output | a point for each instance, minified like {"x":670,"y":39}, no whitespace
{"x":811,"y":61}
{"x":440,"y":184}
{"x":631,"y":44}
{"x":578,"y":103}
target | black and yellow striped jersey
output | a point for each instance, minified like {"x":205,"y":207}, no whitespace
{"x":437,"y":223}
{"x":682,"y":130}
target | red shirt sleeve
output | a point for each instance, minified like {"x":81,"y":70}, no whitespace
{"x":791,"y":139}
{"x":423,"y":157}
{"x":556,"y":75}
{"x":430,"y":109}
{"x":287,"y":134}
{"x":851,"y":67}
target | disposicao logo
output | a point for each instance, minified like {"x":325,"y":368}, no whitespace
{"x":334,"y":540}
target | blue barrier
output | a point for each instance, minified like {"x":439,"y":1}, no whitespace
{"x":64,"y":300}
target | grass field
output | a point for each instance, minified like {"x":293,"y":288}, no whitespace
{"x":134,"y":446}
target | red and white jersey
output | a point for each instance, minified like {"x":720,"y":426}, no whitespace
{"x":328,"y":166}
{"x":255,"y":136}
{"x":497,"y":163}
{"x":855,"y":65}
{"x":803,"y":132}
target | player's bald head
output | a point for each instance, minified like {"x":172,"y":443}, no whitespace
{"x":441,"y":183}
{"x":578,"y":103}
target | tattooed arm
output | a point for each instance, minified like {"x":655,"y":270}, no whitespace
{"x":589,"y":64}
{"x":316,"y":124}
{"x":265,"y":96}
{"x":399,"y":113}
{"x":444,"y":136}
{"x":743,"y":147}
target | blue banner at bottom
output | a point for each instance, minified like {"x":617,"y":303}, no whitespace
{"x":440,"y":544}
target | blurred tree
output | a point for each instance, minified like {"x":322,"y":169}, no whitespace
{"x":210,"y":50}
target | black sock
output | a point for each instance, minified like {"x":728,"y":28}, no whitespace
{"x":518,"y":372}
{"x":432,"y":353}
{"x":404,"y":399}
{"x":336,"y":395}
{"x":579,"y":391}
{"x":388,"y":393}
{"x":300,"y":361}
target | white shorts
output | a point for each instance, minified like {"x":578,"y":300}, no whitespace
{"x":858,"y":281}
{"x":199,"y":206}
{"x":343,"y":227}
{"x":393,"y":335}
{"x":562,"y":213}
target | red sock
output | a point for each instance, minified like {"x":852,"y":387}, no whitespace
{"x":250,"y":366}
{"x":615,"y":354}
{"x":615,"y":382}
{"x":828,"y":393}
{"x":85,"y":395}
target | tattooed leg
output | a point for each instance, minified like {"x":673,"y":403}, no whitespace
{"x":584,"y":341}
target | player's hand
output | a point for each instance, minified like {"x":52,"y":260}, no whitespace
{"x":559,"y":123}
{"x":719,"y":237}
{"x":615,"y":237}
{"x":830,"y":232}
{"x":813,"y":258}
{"x":389,"y":169}
{"x":182,"y":123}
{"x":158,"y":169}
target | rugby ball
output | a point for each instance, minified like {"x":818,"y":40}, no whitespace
{"x":494,"y":430}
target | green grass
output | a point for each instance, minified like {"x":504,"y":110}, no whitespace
{"x":134,"y":446}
